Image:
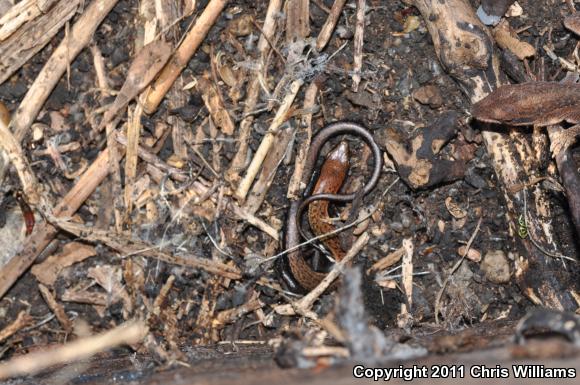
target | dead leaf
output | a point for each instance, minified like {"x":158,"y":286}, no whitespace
{"x":454,"y":209}
{"x":47,"y":272}
{"x":147,"y":63}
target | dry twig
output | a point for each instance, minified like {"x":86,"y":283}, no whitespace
{"x":26,"y":28}
{"x":184,"y":52}
{"x":294,"y":187}
{"x":328,"y":27}
{"x":268,"y":140}
{"x":358,"y":44}
{"x":22,"y":320}
{"x":32,"y":363}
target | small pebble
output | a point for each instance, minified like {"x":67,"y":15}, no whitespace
{"x":487,"y":19}
{"x":37,"y":131}
{"x":429,"y":95}
{"x":474,"y":179}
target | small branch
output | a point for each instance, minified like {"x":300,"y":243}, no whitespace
{"x":268,"y":171}
{"x":132,"y":153}
{"x":254,"y":221}
{"x":297,"y":19}
{"x":56,"y":308}
{"x":227,"y":316}
{"x":570,"y":179}
{"x":294,"y":187}
{"x":131,"y":246}
{"x":30,"y":185}
{"x":407,"y":270}
{"x":253,"y":92}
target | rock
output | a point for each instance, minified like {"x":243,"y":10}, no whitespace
{"x":363,"y":99}
{"x":429,"y":95}
{"x":496,"y":7}
{"x":495,"y":266}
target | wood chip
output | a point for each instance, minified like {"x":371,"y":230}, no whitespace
{"x":508,"y":39}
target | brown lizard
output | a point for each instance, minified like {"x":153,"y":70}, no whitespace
{"x":147,"y":63}
{"x":538,"y":104}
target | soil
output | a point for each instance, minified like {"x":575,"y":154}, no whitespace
{"x":479,"y":300}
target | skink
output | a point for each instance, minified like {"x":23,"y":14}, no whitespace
{"x":294,"y":271}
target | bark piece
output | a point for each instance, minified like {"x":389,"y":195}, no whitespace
{"x":420,"y":166}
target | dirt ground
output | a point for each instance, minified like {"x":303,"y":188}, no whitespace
{"x":482,"y":301}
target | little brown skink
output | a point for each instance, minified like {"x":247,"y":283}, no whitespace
{"x":332,"y":176}
{"x":294,"y":271}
